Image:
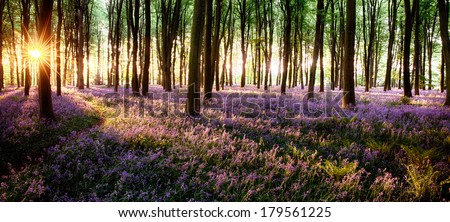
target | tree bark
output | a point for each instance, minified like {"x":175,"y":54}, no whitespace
{"x":135,"y":31}
{"x":80,"y":43}
{"x":170,"y":21}
{"x":45,"y":34}
{"x":209,"y":66}
{"x":2,"y":7}
{"x":145,"y":75}
{"x":193,"y":103}
{"x":417,"y":52}
{"x":443,"y":17}
{"x":442,"y":71}
{"x":26,"y":5}
{"x":409,"y":16}
{"x":333,"y":45}
{"x":349,"y":87}
{"x":392,"y":11}
{"x":58,"y":47}
{"x":312,"y":73}
{"x":216,"y":42}
{"x":287,"y":43}
{"x":244,"y":35}
{"x":116,"y":49}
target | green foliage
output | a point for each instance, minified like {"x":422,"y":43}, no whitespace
{"x":418,"y":156}
{"x":382,"y":146}
{"x":338,"y":171}
{"x":423,"y":181}
{"x":405,"y":100}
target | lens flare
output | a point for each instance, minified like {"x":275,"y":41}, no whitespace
{"x":35,"y":53}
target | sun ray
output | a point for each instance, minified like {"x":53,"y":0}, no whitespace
{"x":38,"y":52}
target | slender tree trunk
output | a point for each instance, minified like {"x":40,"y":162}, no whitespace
{"x":268,"y":35}
{"x":322,"y":71}
{"x":442,"y":71}
{"x":443,"y":17}
{"x":312,"y":74}
{"x":258,"y":46}
{"x":88,"y":19}
{"x":409,"y":16}
{"x":417,"y":52}
{"x":26,"y":5}
{"x":230,"y":78}
{"x":392,"y":11}
{"x":349,"y":87}
{"x":193,"y":103}
{"x":400,"y":55}
{"x":58,"y":48}
{"x":13,"y":55}
{"x":244,"y":35}
{"x":333,"y":45}
{"x":130,"y":17}
{"x":2,"y":7}
{"x":98,"y":78}
{"x":170,"y":22}
{"x":430,"y":50}
{"x":117,"y":45}
{"x":340,"y":59}
{"x":209,"y":76}
{"x":216,"y":42}
{"x":135,"y":30}
{"x":287,"y":44}
{"x":145,"y":75}
{"x":80,"y":44}
{"x":45,"y":34}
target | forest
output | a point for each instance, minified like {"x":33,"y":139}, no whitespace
{"x":224,"y":100}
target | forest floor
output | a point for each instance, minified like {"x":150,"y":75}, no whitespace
{"x":247,"y":145}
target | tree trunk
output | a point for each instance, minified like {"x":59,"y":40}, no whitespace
{"x":392,"y":11}
{"x":170,"y":22}
{"x":417,"y":48}
{"x":58,"y":48}
{"x":193,"y":103}
{"x":312,"y":73}
{"x":430,"y":50}
{"x":333,"y":45}
{"x":88,"y":17}
{"x":340,"y":67}
{"x":145,"y":75}
{"x":209,"y":76}
{"x":406,"y":46}
{"x":80,"y":45}
{"x":13,"y":54}
{"x":287,"y":44}
{"x":134,"y":30}
{"x":443,"y":17}
{"x":216,"y":42}
{"x":442,"y":71}
{"x":26,"y":5}
{"x":45,"y":34}
{"x":244,"y":34}
{"x":117,"y":45}
{"x":130,"y":17}
{"x":349,"y":87}
{"x":268,"y":35}
{"x":98,"y":78}
{"x":322,"y":71}
{"x":231,"y":30}
{"x":2,"y":7}
{"x":369,"y":62}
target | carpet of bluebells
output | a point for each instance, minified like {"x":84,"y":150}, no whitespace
{"x":386,"y":148}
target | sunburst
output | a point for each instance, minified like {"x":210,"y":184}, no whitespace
{"x":39,"y":51}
